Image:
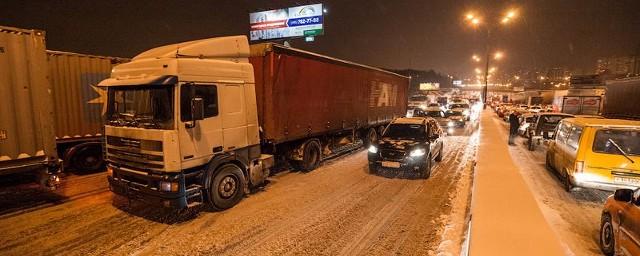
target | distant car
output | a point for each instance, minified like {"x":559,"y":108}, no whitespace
{"x":596,"y":153}
{"x":535,"y":109}
{"x":544,"y":128}
{"x":418,"y":101}
{"x":620,"y":224}
{"x":438,"y":115}
{"x":410,"y":144}
{"x":457,"y":118}
{"x":433,"y":107}
{"x":464,"y":108}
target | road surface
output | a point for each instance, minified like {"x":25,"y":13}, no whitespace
{"x":337,"y":209}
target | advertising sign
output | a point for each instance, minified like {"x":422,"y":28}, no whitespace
{"x":429,"y":86}
{"x":299,"y":21}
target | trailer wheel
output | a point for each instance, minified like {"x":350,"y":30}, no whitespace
{"x":227,"y":187}
{"x":312,"y":156}
{"x":87,"y":159}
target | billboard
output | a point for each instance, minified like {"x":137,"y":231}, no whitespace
{"x":299,"y":21}
{"x":429,"y":86}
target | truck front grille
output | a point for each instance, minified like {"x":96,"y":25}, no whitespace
{"x":143,"y":154}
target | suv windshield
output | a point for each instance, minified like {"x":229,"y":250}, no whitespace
{"x":141,"y":106}
{"x":405,"y":131}
{"x":627,"y":140}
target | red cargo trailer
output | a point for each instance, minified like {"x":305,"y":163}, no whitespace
{"x":301,"y":94}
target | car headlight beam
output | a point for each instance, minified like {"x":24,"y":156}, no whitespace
{"x":417,"y":152}
{"x":373,"y":149}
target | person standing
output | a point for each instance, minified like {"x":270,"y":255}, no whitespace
{"x":514,"y":124}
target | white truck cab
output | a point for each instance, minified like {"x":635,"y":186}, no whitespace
{"x":182,"y":127}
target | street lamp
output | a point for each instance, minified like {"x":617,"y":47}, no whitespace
{"x":474,"y":21}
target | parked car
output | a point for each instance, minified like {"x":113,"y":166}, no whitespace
{"x":410,"y":144}
{"x":620,"y":224}
{"x":596,"y":153}
{"x":525,"y":122}
{"x":544,"y":128}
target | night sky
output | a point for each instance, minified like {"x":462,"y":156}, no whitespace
{"x":391,"y":34}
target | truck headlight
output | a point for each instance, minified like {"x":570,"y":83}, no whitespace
{"x":373,"y":149}
{"x":417,"y":152}
{"x":465,"y":112}
{"x":451,"y":124}
{"x":167,"y":186}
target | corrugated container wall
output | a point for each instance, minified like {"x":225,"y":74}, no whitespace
{"x":78,"y":103}
{"x":26,"y":111}
{"x":302,"y":94}
{"x":621,"y":98}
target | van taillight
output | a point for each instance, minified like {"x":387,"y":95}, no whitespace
{"x":579,"y":166}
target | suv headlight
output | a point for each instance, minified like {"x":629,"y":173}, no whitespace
{"x":451,"y":124}
{"x":373,"y":149}
{"x":417,"y":152}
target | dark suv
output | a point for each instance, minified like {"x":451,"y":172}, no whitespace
{"x":408,"y":144}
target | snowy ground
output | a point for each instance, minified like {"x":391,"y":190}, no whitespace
{"x":574,"y":216}
{"x":338,"y":209}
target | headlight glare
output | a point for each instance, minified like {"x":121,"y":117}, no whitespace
{"x":451,"y":124}
{"x":373,"y":149}
{"x":417,"y":152}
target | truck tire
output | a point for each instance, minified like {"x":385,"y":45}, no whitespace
{"x":227,"y":187}
{"x":87,"y":159}
{"x":312,"y":156}
{"x":607,"y":237}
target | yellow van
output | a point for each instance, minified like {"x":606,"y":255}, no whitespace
{"x":596,"y":153}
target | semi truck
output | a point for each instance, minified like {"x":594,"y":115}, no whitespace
{"x":51,"y":118}
{"x":202,"y":122}
{"x":620,"y":98}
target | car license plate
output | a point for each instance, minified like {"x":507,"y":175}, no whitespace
{"x":390,"y":164}
{"x":626,"y":180}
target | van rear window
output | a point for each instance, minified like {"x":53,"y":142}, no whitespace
{"x":608,"y":140}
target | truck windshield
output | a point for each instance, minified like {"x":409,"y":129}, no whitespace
{"x":405,"y":131}
{"x":608,"y":140}
{"x":141,"y":106}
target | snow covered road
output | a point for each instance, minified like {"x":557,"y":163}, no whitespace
{"x":338,"y":209}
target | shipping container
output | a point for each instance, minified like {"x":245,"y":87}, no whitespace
{"x":621,"y":98}
{"x":79,"y":106}
{"x":302,"y":94}
{"x":27,"y":139}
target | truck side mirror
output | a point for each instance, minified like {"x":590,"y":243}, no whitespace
{"x":197,"y":109}
{"x":623,"y":195}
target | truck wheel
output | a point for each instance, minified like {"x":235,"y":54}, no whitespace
{"x":312,"y":156}
{"x":425,"y":171}
{"x":607,"y":238}
{"x":227,"y":187}
{"x":548,"y":161}
{"x":87,"y":159}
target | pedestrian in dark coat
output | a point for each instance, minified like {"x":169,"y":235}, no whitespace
{"x":514,"y":124}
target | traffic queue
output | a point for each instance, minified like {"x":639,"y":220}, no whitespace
{"x":590,"y":152}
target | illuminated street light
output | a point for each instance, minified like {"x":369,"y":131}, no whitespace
{"x":517,"y":77}
{"x":498,"y":55}
{"x":542,"y":77}
{"x":478,"y":71}
{"x":475,"y":21}
{"x":475,"y":58}
{"x":470,"y":16}
{"x":491,"y":70}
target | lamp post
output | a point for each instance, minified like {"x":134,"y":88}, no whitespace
{"x":476,"y":21}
